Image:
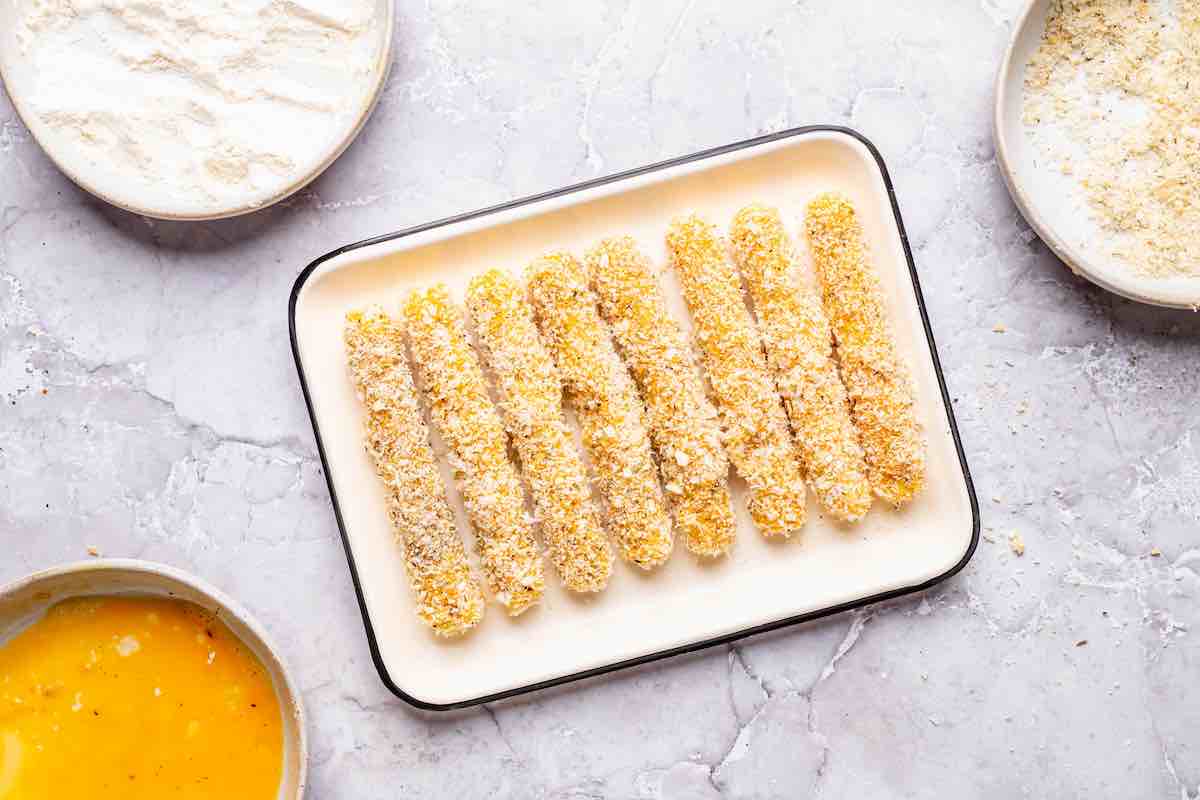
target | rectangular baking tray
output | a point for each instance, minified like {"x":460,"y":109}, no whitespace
{"x":687,"y":604}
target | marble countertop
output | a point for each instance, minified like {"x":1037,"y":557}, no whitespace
{"x":150,"y":409}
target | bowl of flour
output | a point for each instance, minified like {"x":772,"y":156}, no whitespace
{"x":194,"y":109}
{"x":1098,"y":136}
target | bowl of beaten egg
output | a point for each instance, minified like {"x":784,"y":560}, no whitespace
{"x":134,"y":680}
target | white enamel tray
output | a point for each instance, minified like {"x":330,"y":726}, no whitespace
{"x":686,"y":604}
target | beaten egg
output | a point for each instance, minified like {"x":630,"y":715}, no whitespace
{"x":135,"y":697}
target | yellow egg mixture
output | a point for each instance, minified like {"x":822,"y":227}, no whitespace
{"x":135,"y":697}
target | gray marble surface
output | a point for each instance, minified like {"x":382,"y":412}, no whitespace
{"x":150,"y":409}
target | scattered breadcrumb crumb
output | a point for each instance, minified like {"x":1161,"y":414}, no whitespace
{"x":999,"y":327}
{"x":1156,"y":552}
{"x":93,"y":551}
{"x":1016,"y":543}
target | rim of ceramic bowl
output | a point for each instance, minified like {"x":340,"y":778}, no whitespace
{"x":1135,"y":288}
{"x":291,"y":700}
{"x":381,"y":73}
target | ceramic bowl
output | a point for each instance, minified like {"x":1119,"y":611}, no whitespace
{"x":1042,"y":195}
{"x":25,"y":600}
{"x":105,"y":185}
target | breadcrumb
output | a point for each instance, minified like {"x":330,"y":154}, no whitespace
{"x":607,"y":406}
{"x":800,"y":349}
{"x":682,"y":420}
{"x":449,"y":600}
{"x":531,"y":399}
{"x":469,"y":423}
{"x":1112,"y":100}
{"x":877,"y":384}
{"x":755,"y":426}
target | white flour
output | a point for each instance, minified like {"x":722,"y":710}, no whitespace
{"x":193,"y":107}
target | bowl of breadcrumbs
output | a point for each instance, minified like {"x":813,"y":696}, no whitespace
{"x":1098,"y":137}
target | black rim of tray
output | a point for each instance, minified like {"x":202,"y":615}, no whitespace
{"x":682,"y":649}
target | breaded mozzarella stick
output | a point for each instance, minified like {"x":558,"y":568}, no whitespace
{"x":682,"y":421}
{"x":881,"y":398}
{"x":470,"y":425}
{"x":800,"y":350}
{"x":756,"y":428}
{"x":607,"y":406}
{"x":531,"y":398}
{"x":449,"y":600}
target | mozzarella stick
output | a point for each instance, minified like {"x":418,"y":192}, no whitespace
{"x":449,"y":600}
{"x":606,"y":403}
{"x":756,"y":428}
{"x":531,"y":399}
{"x":878,"y":385}
{"x":800,"y":350}
{"x":469,"y":424}
{"x":682,"y":421}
